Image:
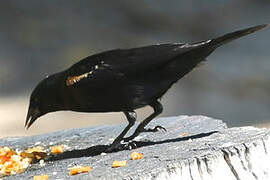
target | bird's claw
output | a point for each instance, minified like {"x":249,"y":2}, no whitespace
{"x":131,"y":145}
{"x":123,"y":145}
{"x":155,"y":129}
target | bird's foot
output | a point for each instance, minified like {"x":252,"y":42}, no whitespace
{"x":131,"y":145}
{"x":123,"y":145}
{"x":155,"y":129}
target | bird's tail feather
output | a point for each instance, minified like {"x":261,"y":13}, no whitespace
{"x":234,"y":35}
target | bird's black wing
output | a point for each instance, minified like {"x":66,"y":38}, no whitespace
{"x":117,"y":65}
{"x":98,"y":75}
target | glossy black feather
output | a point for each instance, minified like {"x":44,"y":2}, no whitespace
{"x":129,"y":78}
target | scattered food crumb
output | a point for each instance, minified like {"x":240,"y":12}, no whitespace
{"x":117,"y":164}
{"x":42,"y":177}
{"x":78,"y":169}
{"x":11,"y":162}
{"x":103,"y":154}
{"x":136,"y":155}
{"x":183,"y":134}
{"x":57,"y":149}
{"x":37,"y":152}
{"x":35,"y":149}
{"x":15,"y":162}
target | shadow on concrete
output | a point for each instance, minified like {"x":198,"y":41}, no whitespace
{"x":98,"y":149}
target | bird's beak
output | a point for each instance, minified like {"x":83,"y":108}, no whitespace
{"x":32,"y":115}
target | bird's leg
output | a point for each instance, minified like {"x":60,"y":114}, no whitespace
{"x":131,"y":117}
{"x":157,"y":106}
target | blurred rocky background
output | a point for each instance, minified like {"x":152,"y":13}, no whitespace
{"x":38,"y":38}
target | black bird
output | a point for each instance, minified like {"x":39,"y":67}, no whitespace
{"x":123,"y":80}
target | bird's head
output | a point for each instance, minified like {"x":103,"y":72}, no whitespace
{"x":44,"y":99}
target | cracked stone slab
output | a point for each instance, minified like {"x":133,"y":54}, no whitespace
{"x":194,"y":147}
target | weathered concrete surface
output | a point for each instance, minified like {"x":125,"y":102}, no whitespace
{"x":208,"y":151}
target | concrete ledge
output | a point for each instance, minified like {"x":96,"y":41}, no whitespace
{"x":209,"y":150}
